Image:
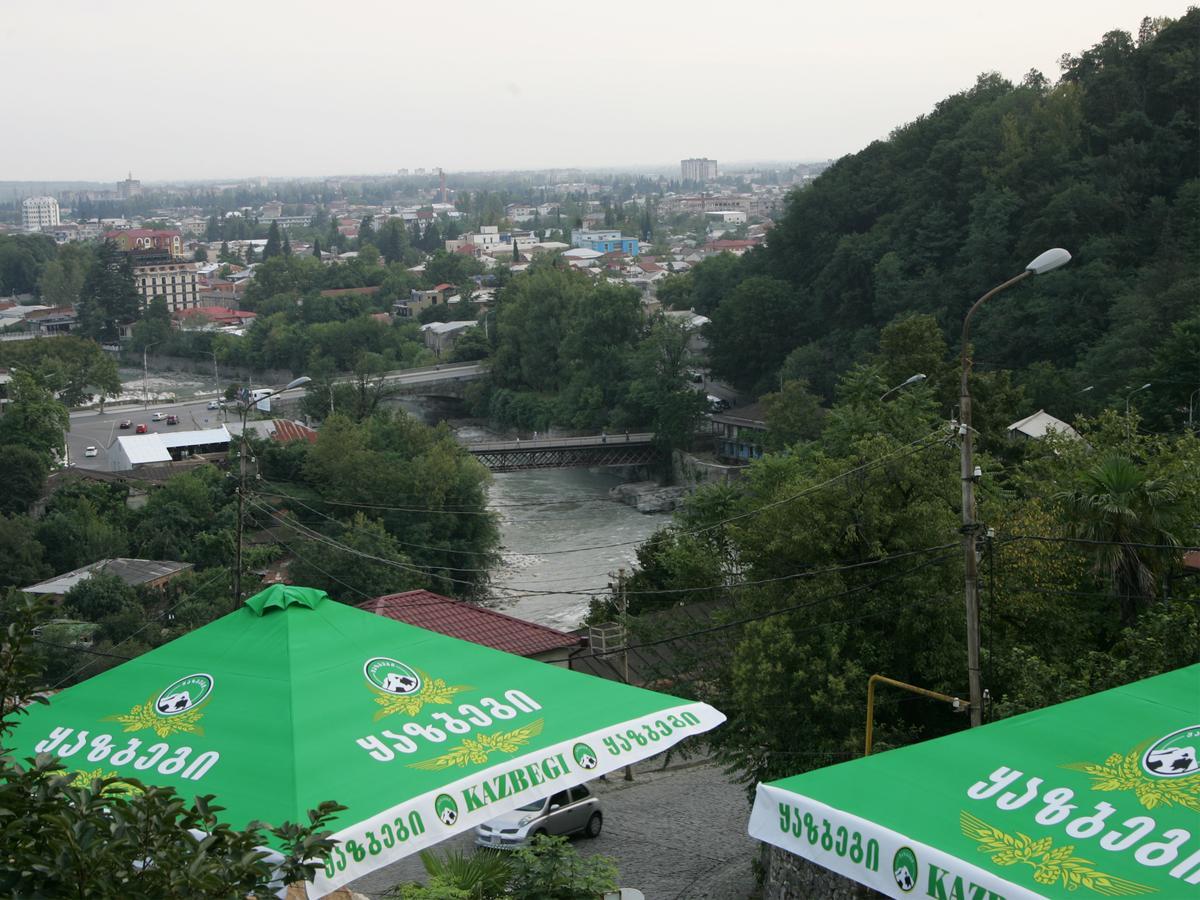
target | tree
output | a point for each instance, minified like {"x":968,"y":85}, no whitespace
{"x":274,"y":245}
{"x":34,"y":418}
{"x":793,"y":414}
{"x":108,"y":297}
{"x":287,"y":245}
{"x":752,"y":332}
{"x":316,"y":250}
{"x":113,"y":837}
{"x":201,"y":255}
{"x":366,"y":231}
{"x":1127,"y":514}
{"x":25,"y":473}
{"x":551,"y":869}
{"x":373,"y":565}
{"x":21,"y":554}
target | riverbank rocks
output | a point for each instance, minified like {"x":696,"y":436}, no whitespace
{"x":649,"y":496}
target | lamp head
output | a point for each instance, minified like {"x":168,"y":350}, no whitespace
{"x":1049,"y":261}
{"x":914,"y":379}
{"x":295,"y":383}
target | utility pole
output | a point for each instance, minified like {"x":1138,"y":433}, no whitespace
{"x":241,"y":500}
{"x":623,"y":600}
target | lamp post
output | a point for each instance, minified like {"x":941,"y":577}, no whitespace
{"x":1192,"y":406}
{"x":145,"y":394}
{"x":1129,"y":396}
{"x":244,"y":408}
{"x":912,"y":379}
{"x":1046,"y":262}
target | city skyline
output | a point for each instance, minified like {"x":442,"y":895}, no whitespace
{"x":282,"y":95}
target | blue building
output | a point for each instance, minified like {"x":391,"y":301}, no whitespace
{"x":604,"y":241}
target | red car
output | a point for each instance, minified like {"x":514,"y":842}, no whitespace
{"x":141,"y":429}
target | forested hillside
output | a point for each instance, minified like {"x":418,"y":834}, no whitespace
{"x":1104,"y":163}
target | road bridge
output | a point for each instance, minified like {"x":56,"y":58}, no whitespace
{"x":567,"y":452}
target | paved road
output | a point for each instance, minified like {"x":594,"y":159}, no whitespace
{"x":676,"y":835}
{"x":90,"y":428}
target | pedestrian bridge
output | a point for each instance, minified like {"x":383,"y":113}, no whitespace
{"x":567,"y":452}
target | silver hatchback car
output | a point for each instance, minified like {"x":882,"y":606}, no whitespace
{"x":573,"y":811}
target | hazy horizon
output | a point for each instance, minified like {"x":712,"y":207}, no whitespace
{"x":226,"y":92}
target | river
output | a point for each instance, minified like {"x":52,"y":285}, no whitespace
{"x":557,"y":531}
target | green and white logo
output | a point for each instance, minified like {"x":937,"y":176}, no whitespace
{"x":904,"y":869}
{"x":392,"y":676}
{"x":1173,"y":756}
{"x":585,"y":756}
{"x":446,"y":809}
{"x":186,"y":693}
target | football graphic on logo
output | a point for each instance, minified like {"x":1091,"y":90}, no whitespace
{"x":174,"y":703}
{"x":396,"y":683}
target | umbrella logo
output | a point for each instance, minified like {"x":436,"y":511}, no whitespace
{"x":585,"y":756}
{"x":392,"y":676}
{"x":185,"y":694}
{"x":446,"y":809}
{"x":1173,"y":756}
{"x":904,"y":869}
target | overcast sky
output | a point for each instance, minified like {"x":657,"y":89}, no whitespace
{"x":224,"y":89}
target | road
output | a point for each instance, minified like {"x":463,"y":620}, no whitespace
{"x":676,"y":835}
{"x":91,"y":428}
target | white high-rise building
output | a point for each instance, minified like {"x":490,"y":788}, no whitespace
{"x":38,"y":213}
{"x":698,"y":169}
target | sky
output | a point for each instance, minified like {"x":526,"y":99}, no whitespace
{"x":94,"y":89}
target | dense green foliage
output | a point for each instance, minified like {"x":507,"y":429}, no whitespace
{"x":1104,"y":163}
{"x":572,"y":352}
{"x":841,"y":557}
{"x":380,"y":506}
{"x":548,"y":868}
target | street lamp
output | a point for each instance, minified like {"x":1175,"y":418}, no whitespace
{"x":912,"y":379}
{"x":1046,"y":262}
{"x":1129,"y":396}
{"x":145,"y":395}
{"x":244,"y":403}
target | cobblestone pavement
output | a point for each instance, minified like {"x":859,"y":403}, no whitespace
{"x":678,"y":834}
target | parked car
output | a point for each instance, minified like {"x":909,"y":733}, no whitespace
{"x":573,"y":811}
{"x":125,"y":423}
{"x":158,"y":417}
{"x":90,"y":451}
{"x":141,"y":429}
{"x":717,"y":404}
{"x":215,"y":404}
{"x":172,"y":419}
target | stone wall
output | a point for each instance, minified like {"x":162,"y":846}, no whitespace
{"x":689,"y":469}
{"x":791,"y":877}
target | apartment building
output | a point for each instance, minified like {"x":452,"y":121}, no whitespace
{"x":158,"y":273}
{"x":38,"y":213}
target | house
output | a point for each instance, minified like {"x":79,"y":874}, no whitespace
{"x":737,"y":433}
{"x":1038,"y":425}
{"x":206,"y":317}
{"x":441,"y":336}
{"x":134,"y":572}
{"x":136,"y":451}
{"x":130,"y":239}
{"x":419,"y":300}
{"x":477,"y":624}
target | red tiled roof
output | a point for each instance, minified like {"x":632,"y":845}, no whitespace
{"x":1191,"y":559}
{"x":442,"y":287}
{"x":468,"y":622}
{"x":287,"y":431}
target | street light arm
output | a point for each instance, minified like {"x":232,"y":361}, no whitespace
{"x":966,"y":328}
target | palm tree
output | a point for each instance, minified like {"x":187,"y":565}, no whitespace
{"x":1128,"y":516}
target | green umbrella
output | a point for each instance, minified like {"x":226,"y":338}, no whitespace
{"x":1098,"y":797}
{"x":295,"y":699}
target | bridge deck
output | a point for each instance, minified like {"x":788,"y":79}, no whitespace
{"x":567,"y":452}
